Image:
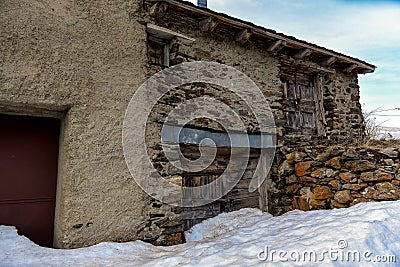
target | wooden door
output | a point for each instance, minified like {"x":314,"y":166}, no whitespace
{"x":28,"y":175}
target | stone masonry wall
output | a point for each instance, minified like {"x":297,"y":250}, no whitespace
{"x":342,"y":111}
{"x":333,"y":177}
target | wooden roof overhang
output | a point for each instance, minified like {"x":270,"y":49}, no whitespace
{"x":289,"y":49}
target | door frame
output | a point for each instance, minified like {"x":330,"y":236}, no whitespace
{"x":59,"y":112}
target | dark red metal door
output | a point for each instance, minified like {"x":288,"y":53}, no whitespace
{"x":28,"y":175}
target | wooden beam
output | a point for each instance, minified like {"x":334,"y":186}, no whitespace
{"x":365,"y":71}
{"x":302,"y":53}
{"x":350,"y":68}
{"x":158,"y":10}
{"x":306,"y":65}
{"x":208,"y":25}
{"x":276,"y":46}
{"x":243,"y":36}
{"x":326,"y":62}
{"x":267,"y":33}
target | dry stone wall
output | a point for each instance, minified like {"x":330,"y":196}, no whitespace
{"x":324,"y":177}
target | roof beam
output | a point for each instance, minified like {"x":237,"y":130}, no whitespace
{"x":267,"y":33}
{"x":328,"y":61}
{"x":208,"y":24}
{"x":243,"y":36}
{"x":158,"y":10}
{"x":302,"y":53}
{"x":349,"y":68}
{"x":365,"y":71}
{"x":276,"y":46}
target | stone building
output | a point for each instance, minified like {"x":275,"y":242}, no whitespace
{"x":68,"y":71}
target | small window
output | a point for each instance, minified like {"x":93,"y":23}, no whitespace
{"x":158,"y":51}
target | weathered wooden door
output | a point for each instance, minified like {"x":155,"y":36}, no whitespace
{"x":301,"y":98}
{"x":28,"y":175}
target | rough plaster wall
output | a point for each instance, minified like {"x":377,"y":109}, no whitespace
{"x":85,"y":59}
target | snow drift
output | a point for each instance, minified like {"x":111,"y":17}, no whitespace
{"x":365,"y":235}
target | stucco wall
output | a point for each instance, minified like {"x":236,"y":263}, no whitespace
{"x":81,"y":61}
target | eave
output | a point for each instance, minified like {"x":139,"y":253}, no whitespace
{"x":274,"y":42}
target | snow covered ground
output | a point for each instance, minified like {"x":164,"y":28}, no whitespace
{"x":367,"y":234}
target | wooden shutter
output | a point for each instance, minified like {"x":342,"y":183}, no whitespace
{"x":305,"y":113}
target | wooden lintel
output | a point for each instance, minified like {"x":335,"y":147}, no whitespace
{"x":326,"y":62}
{"x":305,"y":65}
{"x":243,"y":36}
{"x":276,"y":46}
{"x":158,"y":10}
{"x":350,"y":68}
{"x":208,"y":25}
{"x":302,"y":53}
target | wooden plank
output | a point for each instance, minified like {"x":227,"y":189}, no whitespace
{"x":302,"y":53}
{"x":158,"y":10}
{"x":276,"y":46}
{"x":319,"y":106}
{"x":208,"y":25}
{"x":328,"y":61}
{"x":238,"y":204}
{"x":243,"y":36}
{"x":349,"y":68}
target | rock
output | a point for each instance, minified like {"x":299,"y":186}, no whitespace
{"x":388,"y":162}
{"x":378,"y":176}
{"x":367,"y":176}
{"x":303,"y":168}
{"x":355,"y":187}
{"x":337,"y":205}
{"x":318,"y":204}
{"x":318,"y":173}
{"x":301,"y":203}
{"x":329,"y":153}
{"x":396,"y":183}
{"x":335,"y":184}
{"x":293,"y":189}
{"x":285,"y":168}
{"x":309,"y":180}
{"x":360,"y":166}
{"x":383,"y":176}
{"x":334,"y":163}
{"x":351,"y":154}
{"x":322,"y":192}
{"x":291,"y":179}
{"x":305,"y":192}
{"x":295,"y":157}
{"x":382,"y":191}
{"x":330,"y":173}
{"x":347,"y":176}
{"x":343,"y":197}
{"x":390,"y":152}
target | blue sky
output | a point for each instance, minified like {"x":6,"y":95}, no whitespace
{"x":369,"y":30}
